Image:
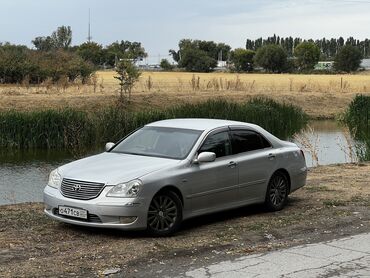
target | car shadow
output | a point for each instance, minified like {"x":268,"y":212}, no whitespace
{"x":188,"y":225}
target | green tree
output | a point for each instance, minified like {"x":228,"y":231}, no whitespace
{"x":127,"y":75}
{"x":196,"y":60}
{"x":123,"y":50}
{"x":62,"y":37}
{"x":92,"y":52}
{"x":271,"y":57}
{"x":348,"y":59}
{"x":43,"y":43}
{"x":242,"y":59}
{"x":307,"y":54}
{"x":166,"y":65}
{"x":214,"y":51}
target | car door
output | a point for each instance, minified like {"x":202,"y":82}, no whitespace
{"x":256,"y":162}
{"x":214,"y":184}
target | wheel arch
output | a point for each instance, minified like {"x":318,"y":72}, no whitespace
{"x":173,"y":189}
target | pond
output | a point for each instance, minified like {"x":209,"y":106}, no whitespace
{"x":24,"y":175}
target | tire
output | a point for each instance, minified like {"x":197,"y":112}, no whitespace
{"x":164,"y":214}
{"x":277,"y":192}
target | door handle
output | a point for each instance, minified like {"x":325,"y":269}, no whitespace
{"x":232,"y":164}
{"x":271,"y":156}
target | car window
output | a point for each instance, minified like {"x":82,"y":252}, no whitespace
{"x":165,"y":142}
{"x":247,"y":140}
{"x":219,"y":143}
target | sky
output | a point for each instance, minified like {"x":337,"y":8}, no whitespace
{"x":160,"y":24}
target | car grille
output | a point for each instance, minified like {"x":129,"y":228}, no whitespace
{"x":81,"y":190}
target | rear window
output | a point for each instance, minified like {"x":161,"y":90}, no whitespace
{"x":247,"y":140}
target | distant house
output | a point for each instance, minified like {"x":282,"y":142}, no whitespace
{"x":324,"y":65}
{"x":365,"y":64}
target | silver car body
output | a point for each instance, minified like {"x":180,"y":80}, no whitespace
{"x":228,"y":182}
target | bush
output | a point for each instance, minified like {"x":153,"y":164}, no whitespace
{"x":166,"y":65}
{"x":18,"y":63}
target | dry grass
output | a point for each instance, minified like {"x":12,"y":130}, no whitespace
{"x":334,"y":203}
{"x":321,"y":96}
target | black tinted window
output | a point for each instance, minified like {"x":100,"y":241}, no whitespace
{"x":246,"y":140}
{"x":218,"y":143}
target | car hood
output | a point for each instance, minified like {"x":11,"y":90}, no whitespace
{"x":113,"y":168}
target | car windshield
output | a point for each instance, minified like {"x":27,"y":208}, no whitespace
{"x":164,"y":142}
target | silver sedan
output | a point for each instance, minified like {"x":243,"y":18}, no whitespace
{"x":172,"y":170}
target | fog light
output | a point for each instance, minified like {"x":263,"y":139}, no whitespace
{"x":127,"y":219}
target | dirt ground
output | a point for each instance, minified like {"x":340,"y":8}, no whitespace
{"x":334,"y":203}
{"x":320,"y":96}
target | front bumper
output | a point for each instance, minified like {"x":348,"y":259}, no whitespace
{"x":103,"y":212}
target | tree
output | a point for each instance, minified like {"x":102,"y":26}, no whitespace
{"x":62,"y":37}
{"x":124,"y":50}
{"x":242,"y":59}
{"x":348,"y":59}
{"x":307,"y":54}
{"x":208,"y":51}
{"x":92,"y":52}
{"x":43,"y":43}
{"x":271,"y":57}
{"x":166,"y":65}
{"x":196,"y":60}
{"x":128,"y":75}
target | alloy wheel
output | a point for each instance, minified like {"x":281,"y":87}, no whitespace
{"x":163,"y":213}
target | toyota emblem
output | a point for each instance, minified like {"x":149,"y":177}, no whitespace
{"x":76,"y":187}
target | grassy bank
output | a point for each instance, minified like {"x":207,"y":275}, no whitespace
{"x":76,"y":130}
{"x":334,"y":203}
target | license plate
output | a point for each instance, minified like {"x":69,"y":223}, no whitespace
{"x":74,"y":212}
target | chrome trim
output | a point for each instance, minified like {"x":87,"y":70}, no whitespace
{"x":81,"y":190}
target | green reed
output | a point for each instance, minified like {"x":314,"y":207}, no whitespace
{"x":78,"y":131}
{"x":357,"y":118}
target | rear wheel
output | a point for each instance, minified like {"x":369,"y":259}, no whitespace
{"x":164,"y":214}
{"x":277,"y":192}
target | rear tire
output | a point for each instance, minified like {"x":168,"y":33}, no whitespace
{"x":164,"y":214}
{"x":277,"y":192}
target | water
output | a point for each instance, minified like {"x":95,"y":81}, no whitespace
{"x":23,"y":176}
{"x":330,"y":142}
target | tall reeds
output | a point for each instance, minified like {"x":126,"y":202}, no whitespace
{"x":357,"y":118}
{"x":76,"y":130}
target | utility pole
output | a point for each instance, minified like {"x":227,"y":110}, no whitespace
{"x":89,"y":30}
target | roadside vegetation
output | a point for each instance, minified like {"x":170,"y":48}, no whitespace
{"x":77,"y":130}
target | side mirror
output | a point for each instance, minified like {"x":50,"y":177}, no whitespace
{"x":108,"y":146}
{"x":206,"y":157}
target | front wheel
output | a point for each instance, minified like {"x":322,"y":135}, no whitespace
{"x":277,"y":192}
{"x":165,"y":214}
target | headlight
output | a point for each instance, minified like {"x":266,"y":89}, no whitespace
{"x":55,"y":180}
{"x":128,"y":189}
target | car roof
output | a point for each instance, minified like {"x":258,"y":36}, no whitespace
{"x":199,"y":124}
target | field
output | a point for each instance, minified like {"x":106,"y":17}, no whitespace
{"x":320,"y":96}
{"x":334,"y":203}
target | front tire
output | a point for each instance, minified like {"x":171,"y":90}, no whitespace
{"x":164,"y":214}
{"x":277,"y":192}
